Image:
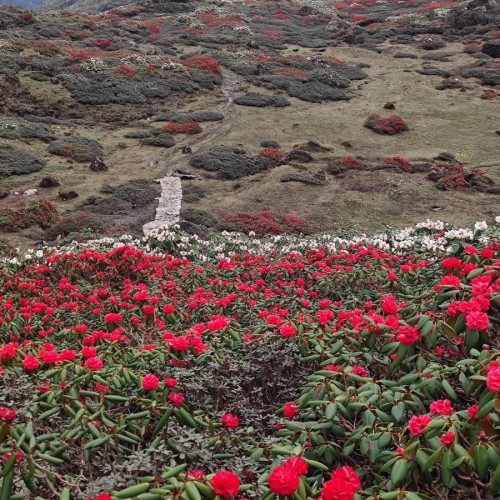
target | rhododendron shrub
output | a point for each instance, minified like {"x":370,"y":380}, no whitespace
{"x":252,"y":368}
{"x":389,"y":125}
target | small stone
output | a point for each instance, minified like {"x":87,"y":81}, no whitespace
{"x":68,"y":195}
{"x":445,"y":157}
{"x":48,"y":182}
{"x":30,"y":192}
{"x":98,"y":165}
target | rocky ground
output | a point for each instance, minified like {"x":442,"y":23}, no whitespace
{"x":276,"y":117}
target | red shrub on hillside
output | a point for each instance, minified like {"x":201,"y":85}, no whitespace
{"x":399,"y":162}
{"x":389,"y":125}
{"x":203,"y":63}
{"x":265,"y":223}
{"x":37,"y":213}
{"x":125,"y":71}
{"x":301,"y":74}
{"x":275,"y":154}
{"x":358,"y":18}
{"x":190,"y":128}
{"x":103,"y":43}
{"x":351,"y":162}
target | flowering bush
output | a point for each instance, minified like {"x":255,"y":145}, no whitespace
{"x":203,"y":63}
{"x":275,"y":154}
{"x":399,"y":162}
{"x":265,"y":223}
{"x":389,"y":125}
{"x":313,"y":367}
{"x":125,"y":71}
{"x":36,"y":213}
{"x":189,"y":128}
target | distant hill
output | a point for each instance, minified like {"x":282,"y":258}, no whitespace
{"x":90,"y":6}
{"x":27,"y":4}
{"x":96,"y":6}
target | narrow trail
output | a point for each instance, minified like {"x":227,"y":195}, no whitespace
{"x":170,"y":200}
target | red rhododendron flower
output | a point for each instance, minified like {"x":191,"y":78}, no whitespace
{"x":7,"y":415}
{"x":148,"y":310}
{"x":199,"y":475}
{"x":170,"y":382}
{"x":389,"y":305}
{"x":487,"y":253}
{"x":296,"y":464}
{"x":493,"y":380}
{"x":359,"y":371}
{"x":230,"y":421}
{"x":176,"y":398}
{"x":407,"y":335}
{"x":342,"y":486}
{"x":291,"y":410}
{"x":6,"y":456}
{"x":442,"y":407}
{"x":332,"y":368}
{"x":472,"y":411}
{"x":150,"y":382}
{"x":283,"y":481}
{"x":168,"y":308}
{"x":113,"y":318}
{"x":477,"y":320}
{"x":418,"y":423}
{"x":30,"y":363}
{"x":89,"y":352}
{"x":94,"y":364}
{"x":225,"y":483}
{"x":448,"y":438}
{"x":288,"y":331}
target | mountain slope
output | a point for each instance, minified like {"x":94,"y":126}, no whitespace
{"x":27,"y":4}
{"x":97,"y":6}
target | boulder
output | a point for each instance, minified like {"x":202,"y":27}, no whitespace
{"x":68,"y":195}
{"x":48,"y":182}
{"x":492,"y":49}
{"x":98,"y":165}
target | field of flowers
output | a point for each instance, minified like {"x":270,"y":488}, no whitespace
{"x":281,"y":367}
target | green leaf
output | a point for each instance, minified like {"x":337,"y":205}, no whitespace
{"x":331,"y":411}
{"x":446,"y":469}
{"x":485,"y":409}
{"x":399,"y":471}
{"x":132,"y":492}
{"x":317,"y":465}
{"x":397,"y":411}
{"x":432,"y":460}
{"x":7,"y":483}
{"x":449,"y":389}
{"x":495,"y":481}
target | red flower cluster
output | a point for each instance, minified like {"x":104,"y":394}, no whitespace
{"x":225,"y":484}
{"x":418,"y":423}
{"x":230,"y":421}
{"x":150,"y":383}
{"x":342,"y":486}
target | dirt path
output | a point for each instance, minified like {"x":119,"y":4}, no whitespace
{"x":170,"y":200}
